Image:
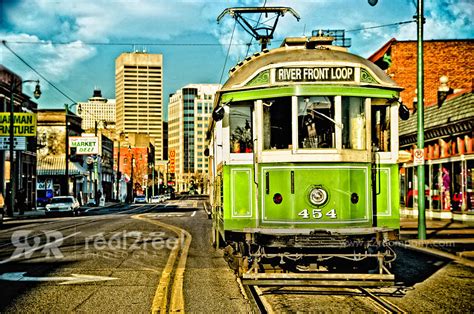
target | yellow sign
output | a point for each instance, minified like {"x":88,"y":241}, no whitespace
{"x":24,"y":124}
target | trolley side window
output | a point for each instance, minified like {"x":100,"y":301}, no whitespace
{"x":277,"y":123}
{"x":240,"y":123}
{"x":381,"y":125}
{"x":353,"y":119}
{"x":316,"y":124}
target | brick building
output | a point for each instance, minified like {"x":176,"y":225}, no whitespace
{"x":448,"y":125}
{"x":452,"y":58}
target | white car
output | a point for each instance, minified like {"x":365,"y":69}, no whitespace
{"x":139,"y":199}
{"x":63,"y":204}
{"x":156,"y":199}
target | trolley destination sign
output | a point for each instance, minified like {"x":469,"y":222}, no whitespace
{"x":24,"y":124}
{"x":314,"y":74}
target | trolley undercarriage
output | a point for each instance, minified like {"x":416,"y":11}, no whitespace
{"x":320,"y":259}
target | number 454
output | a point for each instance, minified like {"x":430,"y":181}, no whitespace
{"x":317,"y":214}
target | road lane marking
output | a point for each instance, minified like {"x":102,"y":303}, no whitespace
{"x":47,"y":245}
{"x":159,"y":304}
{"x":73,"y":279}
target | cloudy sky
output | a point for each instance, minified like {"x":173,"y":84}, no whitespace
{"x":74,"y":43}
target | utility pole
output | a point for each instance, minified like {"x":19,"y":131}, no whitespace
{"x":118,"y":169}
{"x":66,"y":173}
{"x":420,"y":20}
{"x":13,"y":175}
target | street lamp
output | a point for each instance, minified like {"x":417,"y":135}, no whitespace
{"x":66,"y":173}
{"x":36,"y":94}
{"x":132,"y":160}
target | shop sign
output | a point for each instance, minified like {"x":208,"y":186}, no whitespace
{"x":24,"y":124}
{"x":19,"y":143}
{"x":84,"y":145}
{"x":314,"y":74}
{"x":45,"y":185}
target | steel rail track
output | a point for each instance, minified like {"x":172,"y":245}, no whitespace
{"x":382,"y":303}
{"x":255,"y":297}
{"x":259,"y":303}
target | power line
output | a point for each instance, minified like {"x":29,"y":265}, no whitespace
{"x":380,"y":26}
{"x":228,"y":50}
{"x":46,"y":80}
{"x":176,"y":44}
{"x":120,"y":43}
{"x":34,"y":70}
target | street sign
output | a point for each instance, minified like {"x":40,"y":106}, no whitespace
{"x":19,"y":143}
{"x":84,"y":145}
{"x":24,"y":124}
{"x":418,"y":157}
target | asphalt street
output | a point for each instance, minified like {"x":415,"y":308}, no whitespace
{"x":107,"y":260}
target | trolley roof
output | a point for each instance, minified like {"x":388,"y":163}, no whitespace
{"x":304,"y":52}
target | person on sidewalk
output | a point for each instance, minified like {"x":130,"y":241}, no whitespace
{"x":2,"y":208}
{"x":446,"y":189}
{"x":21,"y":200}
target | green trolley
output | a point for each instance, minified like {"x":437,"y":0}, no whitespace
{"x":303,"y":154}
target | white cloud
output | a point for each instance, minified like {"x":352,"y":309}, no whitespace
{"x":53,"y":61}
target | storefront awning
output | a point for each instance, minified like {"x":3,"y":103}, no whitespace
{"x":454,"y":118}
{"x":56,"y":166}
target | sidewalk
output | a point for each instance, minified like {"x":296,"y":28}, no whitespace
{"x":446,"y":238}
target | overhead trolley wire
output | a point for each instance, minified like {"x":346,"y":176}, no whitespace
{"x":258,"y":22}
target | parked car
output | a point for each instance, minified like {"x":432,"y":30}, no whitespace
{"x":91,"y":203}
{"x":63,"y":204}
{"x":139,"y":199}
{"x":156,"y":199}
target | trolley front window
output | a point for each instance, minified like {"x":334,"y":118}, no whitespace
{"x":353,"y":119}
{"x":316,"y":124}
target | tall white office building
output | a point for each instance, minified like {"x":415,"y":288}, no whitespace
{"x":139,"y":96}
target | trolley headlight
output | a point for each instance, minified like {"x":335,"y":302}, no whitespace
{"x":318,"y":196}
